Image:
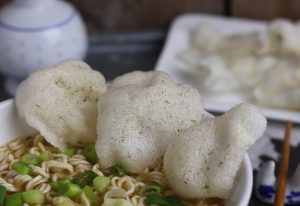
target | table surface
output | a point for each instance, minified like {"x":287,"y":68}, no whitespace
{"x":115,"y":54}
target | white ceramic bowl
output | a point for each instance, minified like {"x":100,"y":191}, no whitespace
{"x":12,"y":127}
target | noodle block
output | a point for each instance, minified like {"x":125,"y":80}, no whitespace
{"x":139,"y":115}
{"x":203,"y":161}
{"x":61,"y":103}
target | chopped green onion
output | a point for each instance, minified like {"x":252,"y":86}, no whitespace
{"x":85,"y":178}
{"x":57,"y":184}
{"x":119,"y":170}
{"x":89,"y":152}
{"x":70,"y":151}
{"x":3,"y":191}
{"x":33,"y":197}
{"x":101,"y":183}
{"x":30,"y":159}
{"x":174,"y":200}
{"x":21,"y":168}
{"x":151,"y":188}
{"x":46,"y":155}
{"x":69,"y":190}
{"x":88,"y":191}
{"x":13,"y":200}
{"x":156,"y":199}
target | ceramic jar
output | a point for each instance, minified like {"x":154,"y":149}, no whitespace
{"x":36,"y":34}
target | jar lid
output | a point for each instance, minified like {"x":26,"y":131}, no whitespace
{"x":36,"y":15}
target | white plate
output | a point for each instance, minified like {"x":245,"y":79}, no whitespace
{"x":178,"y":41}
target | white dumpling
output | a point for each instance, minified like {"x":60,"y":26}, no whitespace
{"x":206,"y":38}
{"x":139,"y":115}
{"x":218,"y":77}
{"x":280,"y":88}
{"x":61,"y":103}
{"x":285,"y":35}
{"x":239,"y":45}
{"x":203,"y":160}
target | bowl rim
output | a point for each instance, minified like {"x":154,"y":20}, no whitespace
{"x":245,"y":168}
{"x":6,"y":102}
{"x":248,"y":181}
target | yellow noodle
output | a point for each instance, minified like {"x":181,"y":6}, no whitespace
{"x":54,"y":177}
{"x":61,"y":199}
{"x":36,"y":181}
{"x":41,"y":146}
{"x":4,"y":166}
{"x":3,"y":173}
{"x":61,"y":157}
{"x":57,"y":166}
{"x":35,"y":150}
{"x":10,"y":157}
{"x":126,"y":183}
{"x":84,"y":200}
{"x":139,"y":185}
{"x":44,"y":187}
{"x":137,"y":200}
{"x":116,"y":193}
{"x":96,"y":169}
{"x":50,"y":196}
{"x":3,"y":153}
{"x":15,"y":145}
{"x":39,"y":171}
{"x":37,"y":138}
{"x":79,"y":163}
{"x":44,"y":166}
{"x":62,"y":166}
{"x":4,"y":148}
{"x":152,"y":176}
{"x":20,"y":152}
{"x":10,"y":187}
{"x":18,"y":147}
{"x":19,"y":180}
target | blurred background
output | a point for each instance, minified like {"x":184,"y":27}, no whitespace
{"x":126,"y":35}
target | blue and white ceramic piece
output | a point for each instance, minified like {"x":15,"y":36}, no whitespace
{"x":36,"y":34}
{"x":265,"y":185}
